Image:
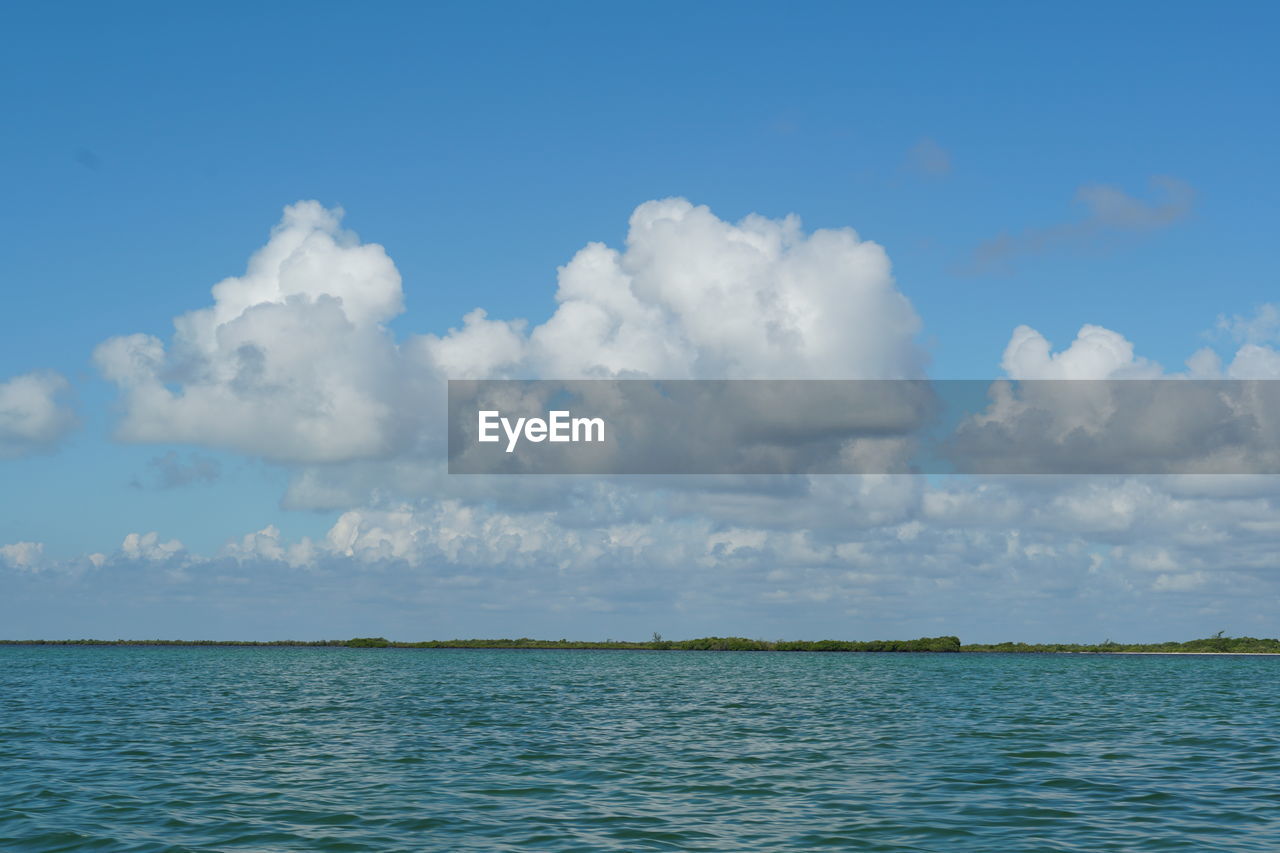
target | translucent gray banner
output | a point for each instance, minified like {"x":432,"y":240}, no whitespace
{"x":641,"y":426}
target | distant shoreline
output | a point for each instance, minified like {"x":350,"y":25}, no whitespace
{"x":1218,"y":645}
{"x":1196,"y":654}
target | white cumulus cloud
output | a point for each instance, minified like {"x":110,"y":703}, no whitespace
{"x":33,"y":415}
{"x":693,"y":296}
{"x":25,"y":556}
{"x":1096,"y":353}
{"x":147,"y":546}
{"x":290,"y":362}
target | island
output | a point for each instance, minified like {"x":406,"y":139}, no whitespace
{"x":1217,"y":644}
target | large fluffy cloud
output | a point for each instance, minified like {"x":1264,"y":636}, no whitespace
{"x":33,"y":413}
{"x":292,"y":361}
{"x":695,"y":296}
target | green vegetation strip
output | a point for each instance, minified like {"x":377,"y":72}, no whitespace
{"x":1210,"y":645}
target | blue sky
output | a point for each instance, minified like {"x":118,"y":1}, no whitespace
{"x":153,"y":147}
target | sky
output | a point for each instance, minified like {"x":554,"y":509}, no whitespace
{"x":243,"y":246}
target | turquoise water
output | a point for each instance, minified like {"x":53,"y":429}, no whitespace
{"x":277,"y":749}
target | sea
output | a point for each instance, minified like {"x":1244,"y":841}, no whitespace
{"x":335,"y":749}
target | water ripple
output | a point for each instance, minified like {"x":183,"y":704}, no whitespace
{"x":279,"y":749}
